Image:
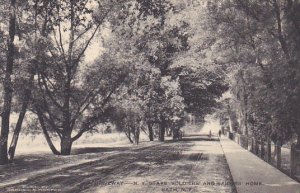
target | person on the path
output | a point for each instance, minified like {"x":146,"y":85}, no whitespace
{"x":220,"y":132}
{"x":209,"y":134}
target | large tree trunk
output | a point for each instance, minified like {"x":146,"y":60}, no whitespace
{"x":66,"y":144}
{"x":176,"y":134}
{"x":151,"y":134}
{"x":7,"y":93}
{"x":13,"y":144}
{"x":137,"y":135}
{"x":45,"y":132}
{"x":162,"y":130}
{"x":26,"y":99}
{"x":66,"y":140}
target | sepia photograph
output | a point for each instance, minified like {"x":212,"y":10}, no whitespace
{"x":149,"y":96}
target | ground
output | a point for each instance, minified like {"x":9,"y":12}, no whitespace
{"x":196,"y":164}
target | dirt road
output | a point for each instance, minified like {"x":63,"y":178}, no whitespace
{"x":195,"y":164}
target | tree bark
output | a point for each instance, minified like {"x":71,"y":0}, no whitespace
{"x":151,"y":134}
{"x":279,"y":34}
{"x":162,"y":130}
{"x":66,"y":140}
{"x":45,"y":132}
{"x":175,"y":134}
{"x":7,"y":93}
{"x":66,"y":144}
{"x":137,"y":135}
{"x":278,"y":154}
{"x":26,"y":99}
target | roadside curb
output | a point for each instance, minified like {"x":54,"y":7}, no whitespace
{"x":252,"y":174}
{"x":235,"y":189}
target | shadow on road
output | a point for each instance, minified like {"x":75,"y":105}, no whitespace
{"x":166,"y":162}
{"x":85,"y":150}
{"x":200,"y":138}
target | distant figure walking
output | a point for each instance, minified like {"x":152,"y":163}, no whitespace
{"x":220,"y":132}
{"x":209,"y":134}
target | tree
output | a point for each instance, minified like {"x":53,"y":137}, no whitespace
{"x":66,"y":99}
{"x":128,"y":117}
{"x":26,"y":63}
{"x":157,"y":41}
{"x":262,"y":40}
{"x":201,"y":69}
{"x":7,"y":84}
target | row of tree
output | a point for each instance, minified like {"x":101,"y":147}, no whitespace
{"x":68,"y":66}
{"x":260,"y":40}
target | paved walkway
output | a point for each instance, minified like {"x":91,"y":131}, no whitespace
{"x":253,"y":175}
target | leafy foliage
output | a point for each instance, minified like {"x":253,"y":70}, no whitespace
{"x":260,"y":41}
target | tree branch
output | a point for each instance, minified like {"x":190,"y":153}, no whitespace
{"x":92,"y":36}
{"x":279,"y":30}
{"x":48,"y":91}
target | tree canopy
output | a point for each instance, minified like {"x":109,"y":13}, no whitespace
{"x":141,"y":65}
